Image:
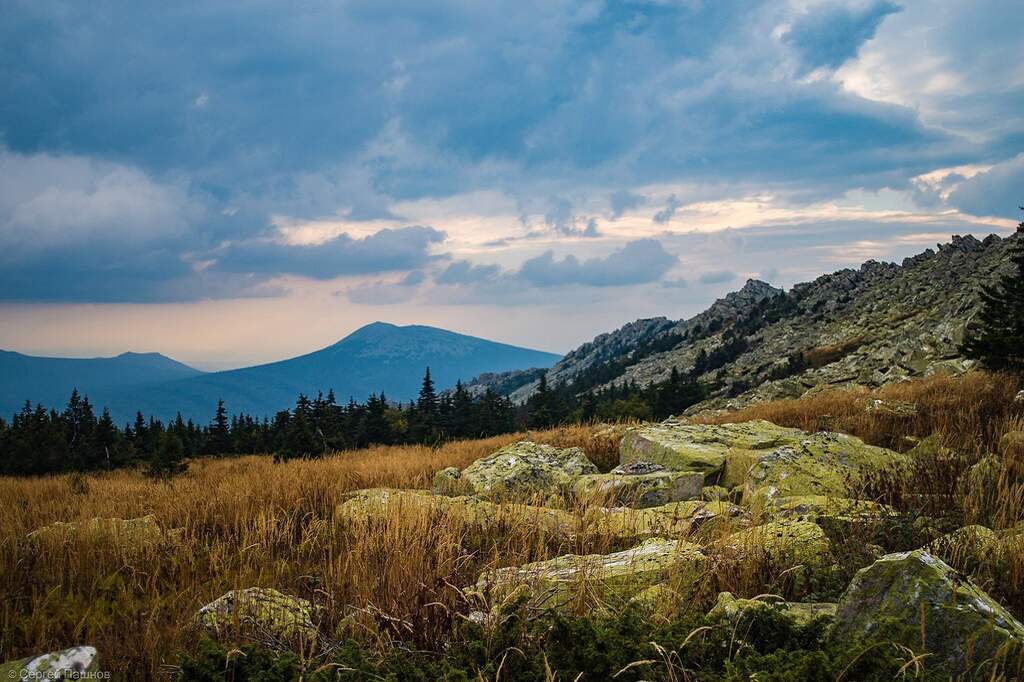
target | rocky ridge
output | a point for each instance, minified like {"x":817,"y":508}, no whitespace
{"x":868,"y":326}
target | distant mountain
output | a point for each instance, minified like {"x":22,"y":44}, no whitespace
{"x":868,"y":326}
{"x":50,"y":380}
{"x":377,"y":357}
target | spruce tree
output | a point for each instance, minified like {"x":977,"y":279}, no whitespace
{"x":995,"y":338}
{"x":168,"y":458}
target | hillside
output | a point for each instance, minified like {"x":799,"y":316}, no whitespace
{"x":868,"y":326}
{"x":50,"y":380}
{"x":377,"y":357}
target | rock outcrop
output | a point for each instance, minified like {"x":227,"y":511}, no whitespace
{"x":525,"y":470}
{"x":869,"y":326}
{"x":623,"y":488}
{"x":731,"y":610}
{"x":763,"y":459}
{"x":596,"y":579}
{"x":917,"y":600}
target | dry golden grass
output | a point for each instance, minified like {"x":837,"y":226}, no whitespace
{"x":249,"y":522}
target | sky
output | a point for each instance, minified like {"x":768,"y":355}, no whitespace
{"x":230,"y":183}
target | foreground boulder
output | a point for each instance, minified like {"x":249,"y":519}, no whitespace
{"x":917,"y":600}
{"x":261,"y":610}
{"x":672,"y":520}
{"x":822,"y":463}
{"x":595,"y":580}
{"x":783,"y":543}
{"x":639,"y":485}
{"x":381,"y":504}
{"x":70,"y":664}
{"x":701,"y":447}
{"x":526,"y":470}
{"x":732,"y":610}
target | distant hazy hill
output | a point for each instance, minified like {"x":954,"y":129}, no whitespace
{"x":50,"y":380}
{"x":377,"y":357}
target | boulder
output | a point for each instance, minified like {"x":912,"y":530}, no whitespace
{"x":822,"y":509}
{"x":1019,"y":398}
{"x":595,"y":580}
{"x":525,"y":470}
{"x":822,"y":463}
{"x":731,"y":610}
{"x":142,"y":530}
{"x":916,"y":599}
{"x":448,"y":481}
{"x":264,"y":611}
{"x":891,"y":408}
{"x":700,"y":447}
{"x":639,"y":490}
{"x":71,"y":664}
{"x":783,"y":543}
{"x":673,"y":520}
{"x":382,"y":504}
{"x":965,"y":546}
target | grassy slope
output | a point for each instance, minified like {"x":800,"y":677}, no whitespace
{"x":250,"y":522}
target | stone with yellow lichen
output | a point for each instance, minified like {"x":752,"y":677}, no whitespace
{"x":787,"y":543}
{"x":593,"y":580}
{"x":261,"y":610}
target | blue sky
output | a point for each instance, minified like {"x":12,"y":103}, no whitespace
{"x":235,"y":182}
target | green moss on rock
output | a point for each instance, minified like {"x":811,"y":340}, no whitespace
{"x":783,"y":543}
{"x":262,"y":610}
{"x":919,"y":601}
{"x":525,"y":470}
{"x":639,"y":490}
{"x":730,"y":609}
{"x":592,"y":580}
{"x":700,"y":447}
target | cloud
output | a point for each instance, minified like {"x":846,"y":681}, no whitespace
{"x":716,"y":277}
{"x":638,"y":262}
{"x":386,"y":293}
{"x":561,"y":219}
{"x":996,"y":192}
{"x":623,"y":200}
{"x":388,"y":250}
{"x":672,"y":204}
{"x":464,"y":272}
{"x":830,"y":36}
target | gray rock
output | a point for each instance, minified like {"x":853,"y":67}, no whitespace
{"x":525,"y":470}
{"x":67,"y":664}
{"x":964,"y":630}
{"x":639,"y":490}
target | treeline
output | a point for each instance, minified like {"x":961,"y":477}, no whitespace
{"x":40,"y":441}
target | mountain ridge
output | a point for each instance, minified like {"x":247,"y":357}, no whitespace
{"x":865,"y":326}
{"x":378,"y":357}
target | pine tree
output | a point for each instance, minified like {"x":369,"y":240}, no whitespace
{"x":423,"y":420}
{"x":996,"y":337}
{"x":220,"y":434}
{"x":168,"y":458}
{"x":540,"y":405}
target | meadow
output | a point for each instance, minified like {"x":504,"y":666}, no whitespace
{"x":398,"y":582}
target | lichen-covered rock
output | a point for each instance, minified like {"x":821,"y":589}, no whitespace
{"x":732,"y":610}
{"x":838,"y":511}
{"x":661,"y":599}
{"x":712,"y":493}
{"x":786,"y":543}
{"x":673,"y":520}
{"x":1019,"y":398}
{"x":448,"y":481}
{"x":638,"y":467}
{"x":639,"y":490}
{"x":142,"y":530}
{"x":891,"y":408}
{"x":818,"y":464}
{"x":525,"y":470}
{"x":594,"y":579}
{"x":263,"y":611}
{"x":966,"y":548}
{"x":382,"y":504}
{"x":701,"y":447}
{"x":70,"y":664}
{"x":913,"y":596}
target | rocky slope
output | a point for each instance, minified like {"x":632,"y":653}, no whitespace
{"x":867,"y":326}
